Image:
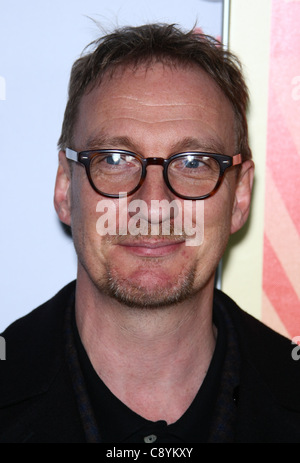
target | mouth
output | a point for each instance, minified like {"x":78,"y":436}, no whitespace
{"x":153,"y":247}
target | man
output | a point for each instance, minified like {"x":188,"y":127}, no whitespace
{"x":141,"y":348}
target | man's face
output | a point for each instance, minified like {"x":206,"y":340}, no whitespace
{"x":158,"y":111}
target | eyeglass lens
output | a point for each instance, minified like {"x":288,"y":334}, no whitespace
{"x":189,"y":175}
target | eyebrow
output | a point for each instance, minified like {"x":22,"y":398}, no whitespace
{"x":186,"y":144}
{"x":198,"y":144}
{"x":103,"y":141}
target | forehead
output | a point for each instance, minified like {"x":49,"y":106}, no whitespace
{"x":155,"y":97}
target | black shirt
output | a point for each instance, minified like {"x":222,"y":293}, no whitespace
{"x":119,"y":424}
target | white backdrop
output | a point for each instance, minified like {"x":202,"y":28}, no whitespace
{"x":39,"y":41}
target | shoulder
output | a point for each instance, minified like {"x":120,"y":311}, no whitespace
{"x":265,"y":352}
{"x":248,"y":326}
{"x":32,"y":344}
{"x":267,"y":399}
{"x":37,"y":401}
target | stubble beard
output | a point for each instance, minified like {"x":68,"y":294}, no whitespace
{"x":139,"y":297}
{"x":134,"y":295}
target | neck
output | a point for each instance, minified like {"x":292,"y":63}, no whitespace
{"x":153,"y":360}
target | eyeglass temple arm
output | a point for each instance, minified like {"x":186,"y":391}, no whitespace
{"x":71,"y":154}
{"x":236,"y":159}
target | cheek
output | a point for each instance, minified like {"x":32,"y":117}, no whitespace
{"x":79,"y":205}
{"x":217,"y":214}
{"x":217,"y":220}
{"x":219,"y":207}
{"x":217,"y":226}
{"x":83,"y":214}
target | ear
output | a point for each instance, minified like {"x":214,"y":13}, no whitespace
{"x":62,"y":201}
{"x":242,"y":201}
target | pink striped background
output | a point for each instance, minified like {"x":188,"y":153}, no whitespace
{"x":281,"y":259}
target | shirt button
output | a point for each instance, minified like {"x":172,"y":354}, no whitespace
{"x":150,"y":439}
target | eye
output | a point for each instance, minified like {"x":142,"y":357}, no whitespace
{"x":115,"y":163}
{"x":191,"y":162}
{"x":114,"y":159}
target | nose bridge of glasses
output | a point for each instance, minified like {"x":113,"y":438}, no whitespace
{"x":154,"y":161}
{"x":155,"y":185}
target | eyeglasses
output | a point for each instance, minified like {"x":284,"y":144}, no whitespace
{"x":191,"y":175}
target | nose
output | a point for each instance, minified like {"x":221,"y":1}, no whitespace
{"x":153,"y":198}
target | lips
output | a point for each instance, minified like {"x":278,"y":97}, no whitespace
{"x":153,"y":247}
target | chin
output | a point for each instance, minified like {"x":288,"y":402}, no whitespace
{"x":148,"y":290}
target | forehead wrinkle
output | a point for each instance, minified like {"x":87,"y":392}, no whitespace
{"x":137,"y":105}
{"x":154,"y":104}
